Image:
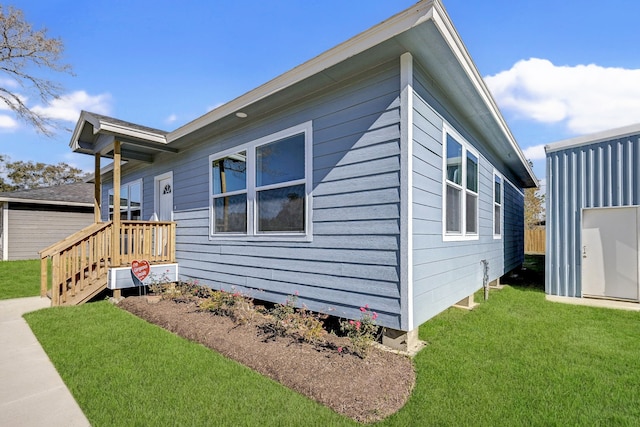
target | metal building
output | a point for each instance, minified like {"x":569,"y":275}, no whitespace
{"x":592,"y":198}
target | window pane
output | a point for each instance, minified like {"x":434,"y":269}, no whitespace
{"x":110,"y":204}
{"x":230,"y":173}
{"x":472,"y":207}
{"x":281,"y":209}
{"x":496,"y":219}
{"x":472,"y":172}
{"x":498,"y":190}
{"x":280,"y":161}
{"x":124,"y":202}
{"x":135,"y":201}
{"x":454,"y":160}
{"x":231,"y":214}
{"x":453,"y":209}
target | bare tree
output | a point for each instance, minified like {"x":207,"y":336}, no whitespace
{"x":23,"y":52}
{"x":533,"y":206}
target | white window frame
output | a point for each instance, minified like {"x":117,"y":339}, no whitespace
{"x":126,"y":184}
{"x":252,"y":233}
{"x":497,"y":174}
{"x":466,"y":148}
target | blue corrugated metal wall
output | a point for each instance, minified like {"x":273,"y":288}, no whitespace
{"x":595,"y":175}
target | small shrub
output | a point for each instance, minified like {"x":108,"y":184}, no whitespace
{"x":361,"y":333}
{"x":233,"y":304}
{"x":301,"y":323}
{"x":162,"y":285}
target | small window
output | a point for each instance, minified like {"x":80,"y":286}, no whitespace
{"x":460,"y":216}
{"x":497,"y":206}
{"x":130,"y":201}
{"x":229,"y":176}
{"x":472,"y":194}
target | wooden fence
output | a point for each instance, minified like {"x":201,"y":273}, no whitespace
{"x":534,"y":241}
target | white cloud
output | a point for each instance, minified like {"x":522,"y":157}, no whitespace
{"x":172,"y":118}
{"x":67,"y":107}
{"x":9,"y":83}
{"x":7,"y":123}
{"x":535,"y":152}
{"x":586,"y":98}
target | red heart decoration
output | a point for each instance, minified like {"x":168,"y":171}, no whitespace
{"x":140,"y":269}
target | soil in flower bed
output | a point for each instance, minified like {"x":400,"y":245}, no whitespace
{"x":366,"y":390}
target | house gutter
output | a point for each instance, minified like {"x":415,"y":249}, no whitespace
{"x":44,"y":202}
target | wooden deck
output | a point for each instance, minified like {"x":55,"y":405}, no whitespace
{"x":81,"y":262}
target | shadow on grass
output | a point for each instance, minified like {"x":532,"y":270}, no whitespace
{"x":530,"y":276}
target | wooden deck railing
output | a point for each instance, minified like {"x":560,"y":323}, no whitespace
{"x":80,"y":263}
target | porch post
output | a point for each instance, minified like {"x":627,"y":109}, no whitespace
{"x":115,"y":237}
{"x":97,"y":190}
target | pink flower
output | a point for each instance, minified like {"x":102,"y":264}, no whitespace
{"x":362,"y":309}
{"x":358,"y":325}
{"x":375,"y":315}
{"x":351,"y":322}
{"x":339,"y":349}
{"x":297,"y":293}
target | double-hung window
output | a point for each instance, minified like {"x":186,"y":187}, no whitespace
{"x":130,"y":201}
{"x":497,"y":206}
{"x":262,"y":189}
{"x":460,"y":207}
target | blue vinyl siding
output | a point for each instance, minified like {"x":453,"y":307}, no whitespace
{"x":353,"y":258}
{"x":444,"y":272}
{"x":603,"y":174}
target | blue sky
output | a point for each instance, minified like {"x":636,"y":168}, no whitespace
{"x":557,"y":69}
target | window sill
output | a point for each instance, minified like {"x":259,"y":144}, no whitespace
{"x":261,"y":238}
{"x":459,"y":238}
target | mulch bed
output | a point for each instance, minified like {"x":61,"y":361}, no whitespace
{"x":365,"y":390}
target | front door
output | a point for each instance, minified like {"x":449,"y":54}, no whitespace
{"x":163,"y":207}
{"x":164,"y":197}
{"x":610,"y":252}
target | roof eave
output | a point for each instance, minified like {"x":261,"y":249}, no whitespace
{"x":450,"y":34}
{"x":389,"y":28}
{"x":45,"y":202}
{"x":594,"y":138}
{"x":107,"y":128}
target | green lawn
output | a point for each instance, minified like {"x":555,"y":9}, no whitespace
{"x":515,"y":360}
{"x":126,"y":372}
{"x":19,"y":279}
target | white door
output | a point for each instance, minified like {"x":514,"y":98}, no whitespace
{"x":164,"y":197}
{"x":610,"y":253}
{"x":164,"y":208}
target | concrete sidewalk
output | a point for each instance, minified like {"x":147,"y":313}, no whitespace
{"x":31,"y":391}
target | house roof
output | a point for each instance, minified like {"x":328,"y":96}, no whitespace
{"x":425,"y":30}
{"x":594,"y":138}
{"x":95,"y":133}
{"x":80,"y":194}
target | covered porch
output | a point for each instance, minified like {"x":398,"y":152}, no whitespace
{"x":77,"y":268}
